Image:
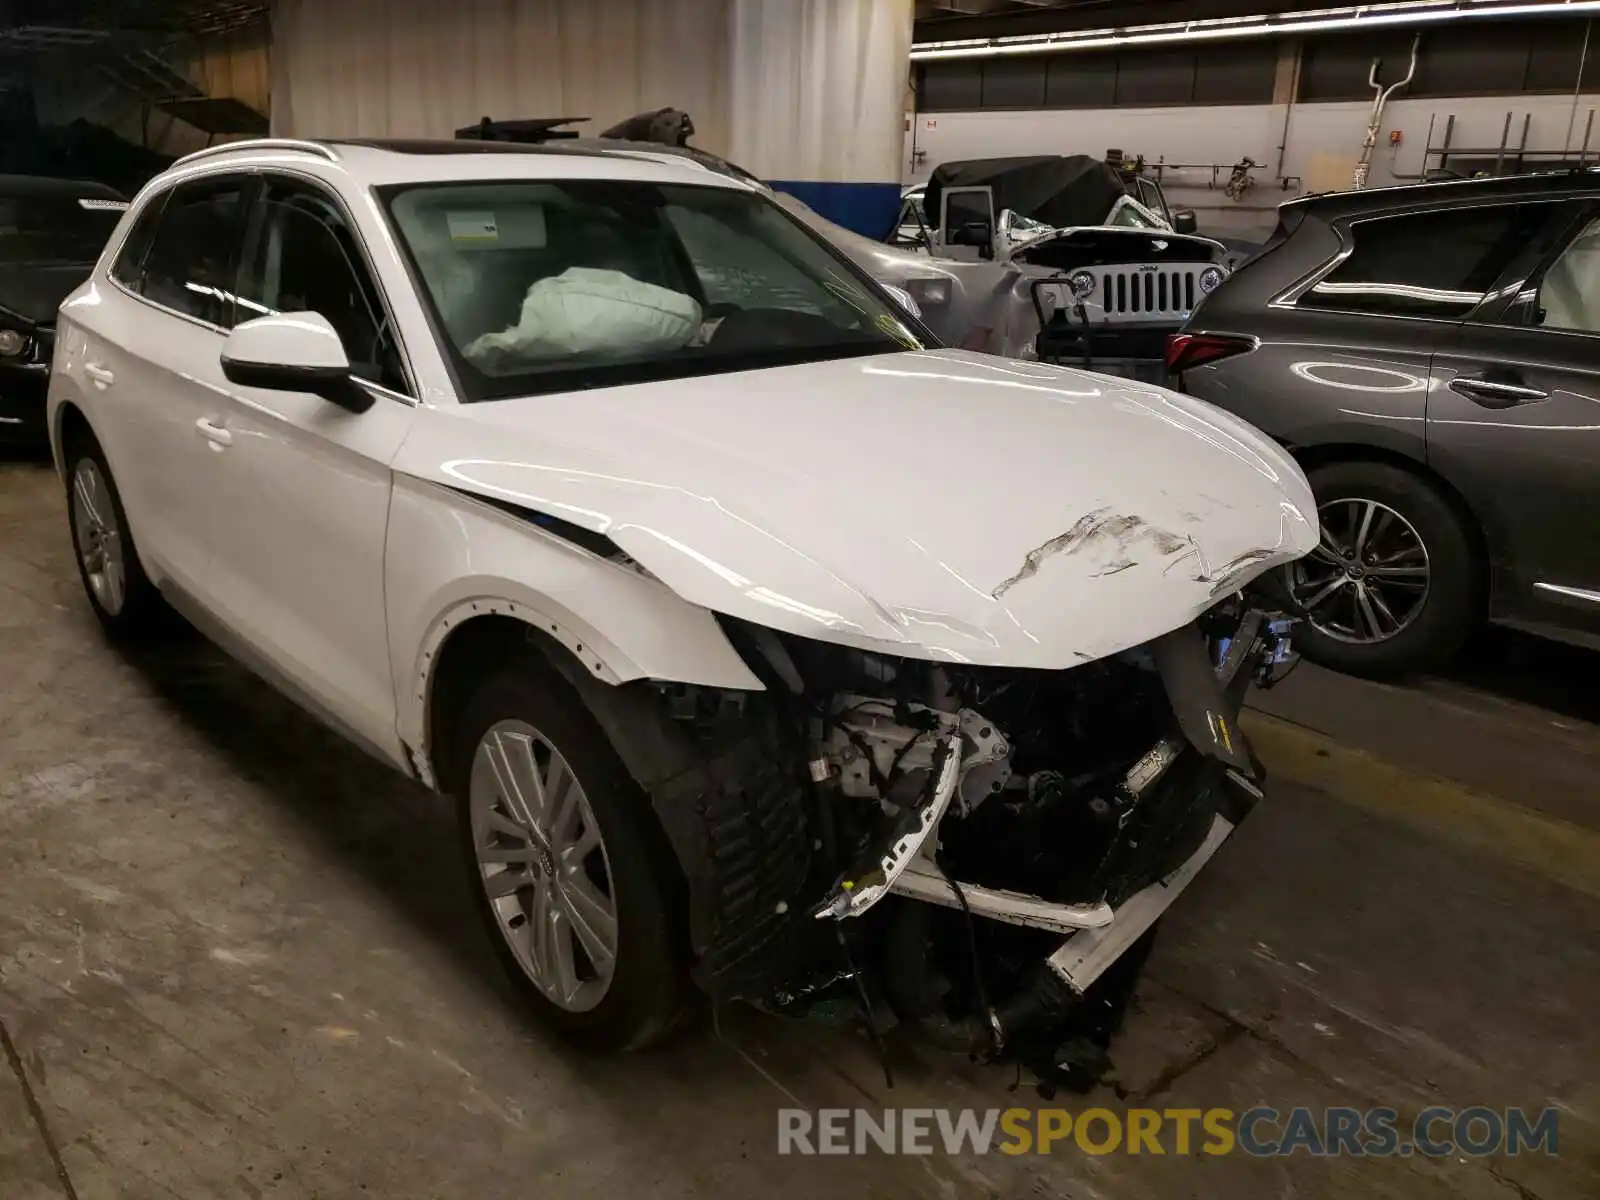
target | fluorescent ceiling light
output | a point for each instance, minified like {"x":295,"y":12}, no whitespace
{"x":1403,"y":12}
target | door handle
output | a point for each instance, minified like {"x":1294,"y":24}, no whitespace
{"x":102,"y":377}
{"x":1495,"y":393}
{"x":213,"y":433}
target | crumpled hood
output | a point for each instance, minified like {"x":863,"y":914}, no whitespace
{"x":33,"y":291}
{"x":940,"y":504}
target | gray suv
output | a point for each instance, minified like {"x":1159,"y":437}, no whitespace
{"x":1431,"y":354}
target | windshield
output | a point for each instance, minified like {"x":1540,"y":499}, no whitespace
{"x":64,"y":229}
{"x":1026,"y":227}
{"x":1126,"y":212}
{"x":557,"y":285}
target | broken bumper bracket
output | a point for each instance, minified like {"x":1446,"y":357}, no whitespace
{"x":859,"y":888}
{"x":1084,"y":956}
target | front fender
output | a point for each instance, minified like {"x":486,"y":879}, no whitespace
{"x":450,"y":557}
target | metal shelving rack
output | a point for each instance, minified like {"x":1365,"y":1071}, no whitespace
{"x":1506,"y":158}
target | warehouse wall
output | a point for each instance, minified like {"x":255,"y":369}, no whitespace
{"x":1324,"y":140}
{"x":1219,"y":103}
{"x":817,"y":101}
{"x":424,"y":68}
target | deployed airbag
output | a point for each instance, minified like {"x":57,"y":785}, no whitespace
{"x":590,"y":311}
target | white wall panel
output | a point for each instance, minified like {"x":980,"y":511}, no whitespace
{"x":819,"y":88}
{"x":424,"y":68}
{"x":1324,"y":140}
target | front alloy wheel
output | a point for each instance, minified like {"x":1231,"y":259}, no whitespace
{"x":1368,"y":578}
{"x":572,"y":873}
{"x":544,"y":865}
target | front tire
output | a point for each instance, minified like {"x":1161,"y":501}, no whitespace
{"x":1394,"y":585}
{"x":122,"y":596}
{"x":569,"y":870}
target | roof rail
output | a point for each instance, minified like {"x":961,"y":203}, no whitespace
{"x":261,"y":144}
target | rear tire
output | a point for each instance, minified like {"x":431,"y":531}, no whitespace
{"x":1395,"y":586}
{"x":532,"y":890}
{"x":126,"y":603}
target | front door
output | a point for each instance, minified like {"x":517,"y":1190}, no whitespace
{"x":1514,"y":420}
{"x":301,"y":531}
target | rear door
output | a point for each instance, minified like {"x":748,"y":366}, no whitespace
{"x":150,"y":370}
{"x":1514,"y":419}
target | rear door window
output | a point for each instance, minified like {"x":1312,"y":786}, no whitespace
{"x":1433,"y":264}
{"x":190,"y":265}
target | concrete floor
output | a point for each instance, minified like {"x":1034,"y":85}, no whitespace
{"x":236,"y":958}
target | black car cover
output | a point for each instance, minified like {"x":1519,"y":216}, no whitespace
{"x":1057,"y":189}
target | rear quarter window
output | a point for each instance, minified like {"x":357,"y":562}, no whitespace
{"x":1437,"y":264}
{"x":128,"y":267}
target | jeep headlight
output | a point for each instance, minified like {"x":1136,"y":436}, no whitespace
{"x":12,"y":343}
{"x":1082,"y":284}
{"x":1211,"y":279}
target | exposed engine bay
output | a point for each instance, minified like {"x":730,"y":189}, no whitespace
{"x":980,"y":852}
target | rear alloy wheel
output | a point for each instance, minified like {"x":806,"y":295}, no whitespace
{"x":98,"y":535}
{"x":123,"y":598}
{"x":1368,"y":577}
{"x":1392,"y":585}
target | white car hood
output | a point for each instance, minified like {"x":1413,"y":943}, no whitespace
{"x":942,"y":504}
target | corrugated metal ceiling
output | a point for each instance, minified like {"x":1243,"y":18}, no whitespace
{"x":45,"y":22}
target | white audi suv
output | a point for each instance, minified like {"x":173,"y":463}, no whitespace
{"x":594,"y":491}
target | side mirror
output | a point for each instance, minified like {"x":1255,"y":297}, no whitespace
{"x":1184,"y":221}
{"x":293,"y":352}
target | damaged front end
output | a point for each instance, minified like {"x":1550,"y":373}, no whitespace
{"x":977,"y":847}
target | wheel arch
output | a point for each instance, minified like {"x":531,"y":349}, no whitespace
{"x":473,"y":635}
{"x":482,"y":629}
{"x":729,"y":818}
{"x":69,"y":425}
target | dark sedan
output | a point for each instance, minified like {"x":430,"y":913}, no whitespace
{"x":51,"y":233}
{"x":1431,"y":354}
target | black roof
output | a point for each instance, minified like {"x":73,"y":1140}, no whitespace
{"x":70,"y":189}
{"x":1330,"y":205}
{"x":1058,"y":189}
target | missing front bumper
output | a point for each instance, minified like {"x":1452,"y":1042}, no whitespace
{"x":1210,"y":763}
